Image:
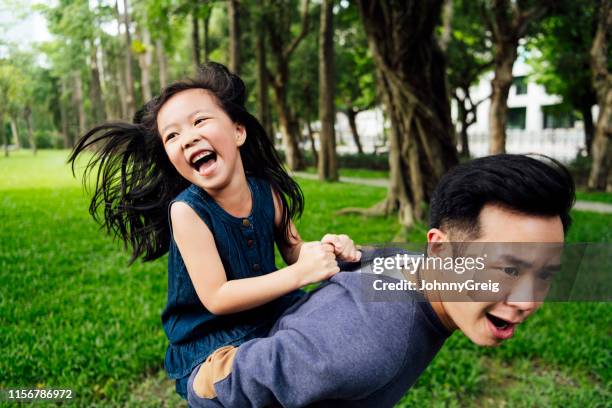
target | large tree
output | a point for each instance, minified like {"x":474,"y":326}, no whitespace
{"x":130,"y":94}
{"x":9,"y":82}
{"x":468,"y":54}
{"x":508,"y":21}
{"x":233,"y":14}
{"x":328,"y":162}
{"x":356,"y":80}
{"x":601,"y":176}
{"x":561,"y":58}
{"x":262,"y":81}
{"x":411,"y":74}
{"x":279,"y":19}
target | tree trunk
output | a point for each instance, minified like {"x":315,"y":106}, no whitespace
{"x":162,"y":63}
{"x":601,"y":176}
{"x":95,"y":89}
{"x":263,"y":100}
{"x":233,"y":11}
{"x":205,"y":35}
{"x":282,"y":50}
{"x":130,"y":96}
{"x":313,"y":147}
{"x":27,"y":116}
{"x":15,"y":131}
{"x":107,"y":81}
{"x":589,"y":128}
{"x":411,"y":73}
{"x":4,"y":135}
{"x":145,"y":60}
{"x":64,"y":113}
{"x":195,"y":39}
{"x":116,"y":68}
{"x":509,"y":23}
{"x":505,"y":56}
{"x":462,"y":115}
{"x":351,"y":115}
{"x":328,"y":162}
{"x":79,"y":103}
{"x":289,"y":129}
{"x":447,"y":25}
{"x":115,"y":104}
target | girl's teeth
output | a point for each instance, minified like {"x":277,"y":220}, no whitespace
{"x":199,"y":156}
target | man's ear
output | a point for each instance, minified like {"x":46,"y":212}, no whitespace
{"x":437,"y":242}
{"x":240,"y":134}
{"x":436,"y":235}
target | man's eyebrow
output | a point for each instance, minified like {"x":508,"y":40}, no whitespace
{"x":552,"y":268}
{"x":521,"y":263}
{"x":174,"y":124}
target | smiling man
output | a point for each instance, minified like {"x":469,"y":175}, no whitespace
{"x":342,"y":347}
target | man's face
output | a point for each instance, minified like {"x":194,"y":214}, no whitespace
{"x":489,"y":323}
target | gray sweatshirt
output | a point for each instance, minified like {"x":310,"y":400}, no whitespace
{"x":335,"y":348}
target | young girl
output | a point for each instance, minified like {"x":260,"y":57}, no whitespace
{"x":196,"y":156}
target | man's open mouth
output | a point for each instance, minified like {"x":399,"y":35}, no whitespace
{"x":497,"y":322}
{"x":203,"y":160}
{"x":502,"y":329}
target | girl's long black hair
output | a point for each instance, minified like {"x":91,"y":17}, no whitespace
{"x":134,"y":181}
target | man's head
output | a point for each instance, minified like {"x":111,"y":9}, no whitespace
{"x":537,"y":186}
{"x":503,"y":198}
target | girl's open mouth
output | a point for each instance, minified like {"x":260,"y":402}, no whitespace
{"x":500,"y":328}
{"x":204,"y":161}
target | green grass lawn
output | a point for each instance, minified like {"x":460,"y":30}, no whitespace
{"x":598,"y":196}
{"x":360,"y":173}
{"x":74,"y":315}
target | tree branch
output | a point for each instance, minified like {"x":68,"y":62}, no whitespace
{"x":303,"y":32}
{"x":525,"y":17}
{"x":447,"y":25}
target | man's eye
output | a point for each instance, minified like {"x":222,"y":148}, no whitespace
{"x":545,"y":276}
{"x":510,"y":270}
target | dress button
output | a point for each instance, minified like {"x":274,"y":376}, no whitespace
{"x":250,"y":243}
{"x":245,"y":222}
{"x":256,"y":267}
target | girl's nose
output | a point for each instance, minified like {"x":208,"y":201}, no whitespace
{"x":190,"y":138}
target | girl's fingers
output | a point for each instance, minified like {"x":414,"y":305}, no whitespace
{"x":328,"y":247}
{"x":330,"y":238}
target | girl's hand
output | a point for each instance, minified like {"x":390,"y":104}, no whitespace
{"x":317,"y":262}
{"x":344,"y":247}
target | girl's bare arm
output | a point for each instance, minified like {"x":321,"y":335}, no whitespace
{"x":220,"y":296}
{"x":291,"y":252}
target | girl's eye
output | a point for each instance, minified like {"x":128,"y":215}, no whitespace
{"x":170,"y":136}
{"x":198,"y":121}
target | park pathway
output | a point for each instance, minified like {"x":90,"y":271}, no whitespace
{"x":591,"y":206}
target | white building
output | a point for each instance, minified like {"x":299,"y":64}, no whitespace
{"x":370,"y":128}
{"x":536,"y":124}
{"x":536,"y":121}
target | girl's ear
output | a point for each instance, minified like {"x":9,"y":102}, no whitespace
{"x":240,"y":135}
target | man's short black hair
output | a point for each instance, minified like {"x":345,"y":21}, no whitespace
{"x":532,"y":185}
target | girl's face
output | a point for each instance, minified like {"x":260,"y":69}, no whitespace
{"x":200,"y":139}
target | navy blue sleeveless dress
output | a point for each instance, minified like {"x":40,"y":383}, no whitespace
{"x":246,"y":248}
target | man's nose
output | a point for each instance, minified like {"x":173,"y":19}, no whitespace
{"x":523,"y":295}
